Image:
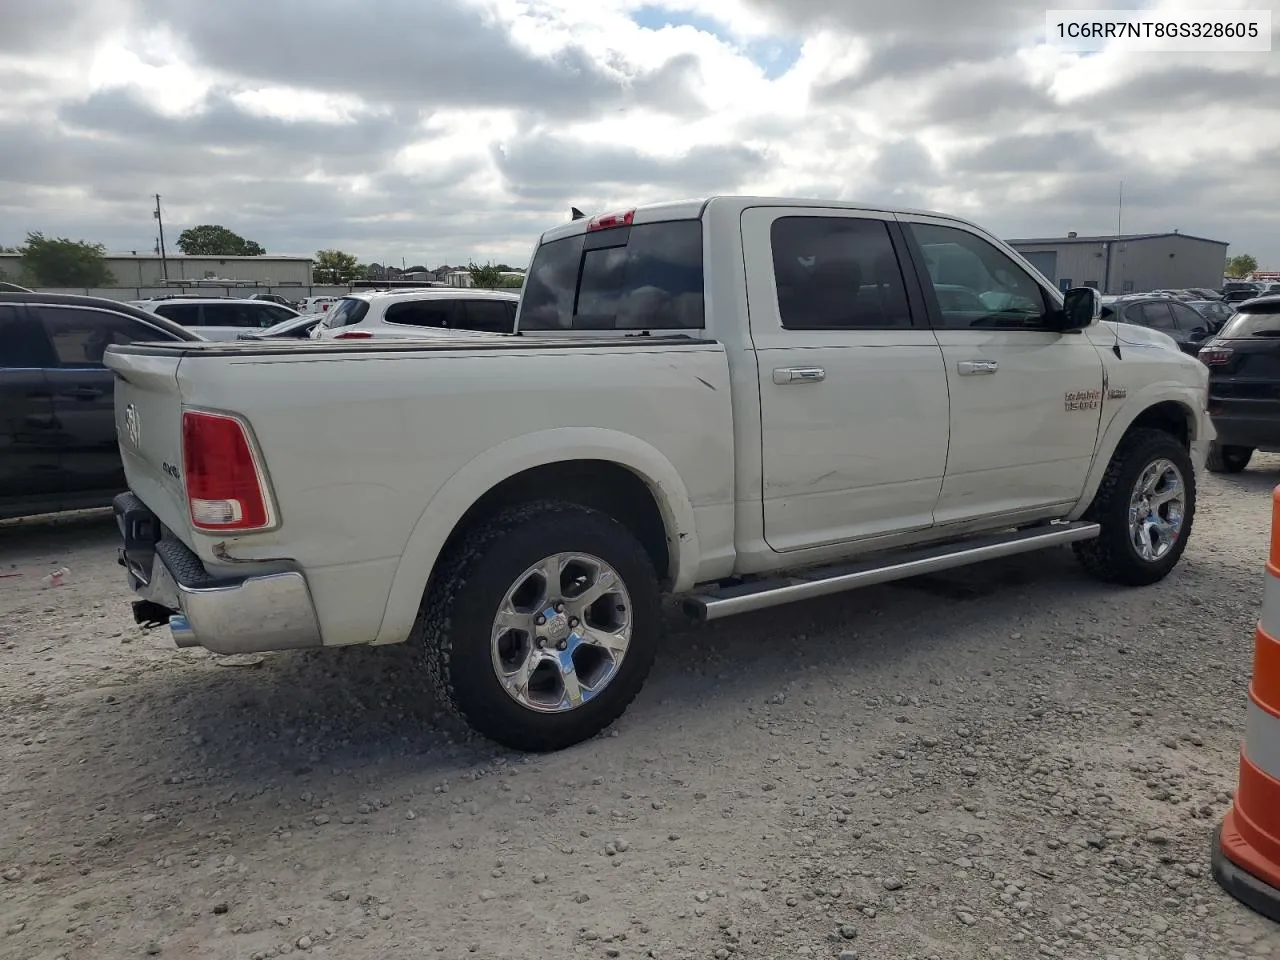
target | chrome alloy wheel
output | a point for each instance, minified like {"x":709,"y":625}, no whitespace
{"x":1156,"y":510}
{"x":561,"y":632}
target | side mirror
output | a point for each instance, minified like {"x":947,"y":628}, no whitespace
{"x":1081,"y":308}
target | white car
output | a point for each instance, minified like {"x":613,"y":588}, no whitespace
{"x":387,"y":314}
{"x":316,"y":304}
{"x":740,"y":402}
{"x":218,"y":318}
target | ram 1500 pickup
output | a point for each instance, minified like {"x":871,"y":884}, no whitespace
{"x":737,"y":401}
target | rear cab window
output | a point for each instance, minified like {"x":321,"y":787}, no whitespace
{"x":647,"y":276}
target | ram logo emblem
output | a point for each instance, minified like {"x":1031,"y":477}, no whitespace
{"x":132,"y":425}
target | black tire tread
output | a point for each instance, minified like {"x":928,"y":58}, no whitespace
{"x":1217,"y":461}
{"x":1105,"y":557}
{"x":432,"y":631}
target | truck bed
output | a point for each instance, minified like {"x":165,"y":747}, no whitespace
{"x":367,"y":444}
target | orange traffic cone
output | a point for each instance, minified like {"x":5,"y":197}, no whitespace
{"x":1246,"y":850}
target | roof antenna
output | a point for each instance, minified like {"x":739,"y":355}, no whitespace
{"x":576,"y":214}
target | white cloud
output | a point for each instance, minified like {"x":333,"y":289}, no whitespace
{"x":464,"y":127}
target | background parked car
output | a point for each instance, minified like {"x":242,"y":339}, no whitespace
{"x":407,"y":313}
{"x":298,"y":327}
{"x":1217,"y":312}
{"x":273,"y":298}
{"x":1237,"y":291}
{"x":316,"y":304}
{"x":218,"y":318}
{"x":1244,"y":385}
{"x":58,"y":444}
{"x":1187,"y":326}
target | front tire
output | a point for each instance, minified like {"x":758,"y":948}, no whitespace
{"x":1228,"y":459}
{"x":1145,"y":506}
{"x":543,"y":626}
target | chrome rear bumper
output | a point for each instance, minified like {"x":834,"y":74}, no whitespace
{"x":251,"y":614}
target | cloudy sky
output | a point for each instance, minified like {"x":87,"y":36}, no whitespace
{"x":442,"y":130}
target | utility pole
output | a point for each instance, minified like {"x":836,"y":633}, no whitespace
{"x":164,"y":261}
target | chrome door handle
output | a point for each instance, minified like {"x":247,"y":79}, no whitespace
{"x":977,"y":368}
{"x":784,"y":375}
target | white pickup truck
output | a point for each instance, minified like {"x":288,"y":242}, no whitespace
{"x":740,"y":402}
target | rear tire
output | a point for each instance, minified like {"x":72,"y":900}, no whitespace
{"x":1228,"y":459}
{"x":1116,"y":556}
{"x":475,"y":662}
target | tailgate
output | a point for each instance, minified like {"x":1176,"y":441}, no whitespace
{"x":149,"y":426}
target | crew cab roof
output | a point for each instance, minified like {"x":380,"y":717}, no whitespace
{"x":693,"y":208}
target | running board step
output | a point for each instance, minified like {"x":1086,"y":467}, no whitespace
{"x":819,"y":582}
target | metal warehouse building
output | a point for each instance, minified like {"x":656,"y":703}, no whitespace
{"x":1131,"y":263}
{"x":147,"y":270}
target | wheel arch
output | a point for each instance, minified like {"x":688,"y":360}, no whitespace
{"x":611,"y":471}
{"x":1155,"y":409}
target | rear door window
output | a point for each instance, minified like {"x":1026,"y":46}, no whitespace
{"x":424,"y":313}
{"x":1154,"y":315}
{"x":238,"y":315}
{"x":838,"y":273}
{"x":80,"y":336}
{"x":491,"y":316}
{"x":1187,"y":318}
{"x":23,"y":344}
{"x":645,"y":277}
{"x":186,"y":314}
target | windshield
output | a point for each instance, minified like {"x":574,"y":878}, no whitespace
{"x":1262,"y":320}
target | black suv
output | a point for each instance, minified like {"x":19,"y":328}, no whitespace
{"x":1188,"y":327}
{"x":1244,"y":385}
{"x":58,"y":445}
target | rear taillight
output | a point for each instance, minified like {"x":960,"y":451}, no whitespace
{"x":354,"y":335}
{"x":225,"y":486}
{"x":608,"y":221}
{"x":1215,"y":356}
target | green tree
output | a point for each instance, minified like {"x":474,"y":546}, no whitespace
{"x":59,"y":262}
{"x":211,"y":240}
{"x":334,"y":266}
{"x":488,"y":277}
{"x":511,"y":282}
{"x":1241,"y":265}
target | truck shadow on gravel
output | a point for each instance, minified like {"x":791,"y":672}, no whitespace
{"x":1258,"y":478}
{"x":355,"y":709}
{"x":57,"y":534}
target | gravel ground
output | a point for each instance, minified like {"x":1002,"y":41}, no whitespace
{"x":1009,"y":761}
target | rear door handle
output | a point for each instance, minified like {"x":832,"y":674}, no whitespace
{"x":784,"y":375}
{"x":977,"y":368}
